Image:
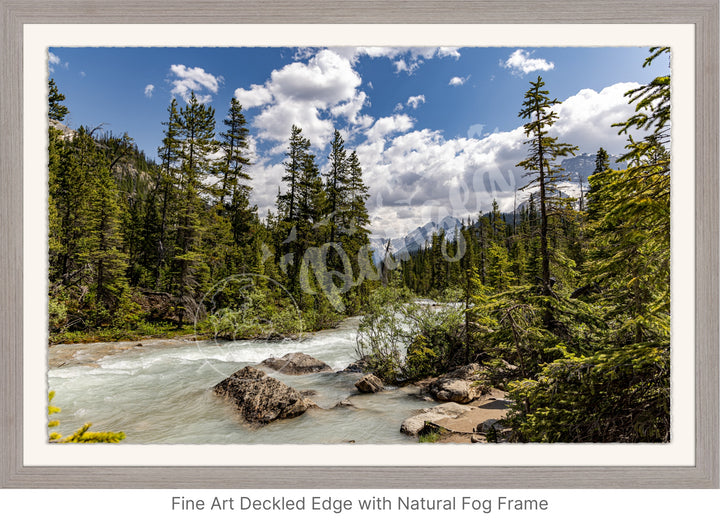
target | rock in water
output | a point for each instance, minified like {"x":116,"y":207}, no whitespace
{"x":457,"y":386}
{"x":413,"y":425}
{"x":296,"y":364}
{"x":260,"y":398}
{"x":369,"y":384}
{"x":358,"y":367}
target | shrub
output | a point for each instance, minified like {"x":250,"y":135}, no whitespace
{"x":401,"y":340}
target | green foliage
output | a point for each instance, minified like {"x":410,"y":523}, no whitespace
{"x":615,"y":385}
{"x":258,"y":318}
{"x":614,"y":395}
{"x":402,"y":340}
{"x":541,"y":165}
{"x":421,"y":360}
{"x":569,"y":306}
{"x":56,"y":111}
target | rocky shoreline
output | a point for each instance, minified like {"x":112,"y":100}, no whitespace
{"x":468,"y":410}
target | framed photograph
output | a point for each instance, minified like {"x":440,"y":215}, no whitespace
{"x":322,"y":245}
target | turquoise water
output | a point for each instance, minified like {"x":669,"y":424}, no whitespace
{"x":161,"y":392}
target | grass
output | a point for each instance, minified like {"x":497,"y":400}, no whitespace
{"x":144,"y":330}
{"x":430,"y":437}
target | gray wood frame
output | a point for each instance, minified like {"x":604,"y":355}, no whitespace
{"x":702,"y":13}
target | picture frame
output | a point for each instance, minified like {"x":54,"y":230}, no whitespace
{"x":703,"y":14}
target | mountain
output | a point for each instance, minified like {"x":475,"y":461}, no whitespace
{"x":583,"y":166}
{"x":578,"y":167}
{"x":415,"y":240}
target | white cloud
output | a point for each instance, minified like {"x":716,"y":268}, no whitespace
{"x":409,"y":67}
{"x":194,"y":80}
{"x":520,"y":63}
{"x":308,"y":95}
{"x":448,"y":52}
{"x":414,"y":175}
{"x":54,"y":60}
{"x":407,"y":59}
{"x":253,"y":97}
{"x":415,"y":101}
{"x":387,"y":126}
{"x":586,"y":118}
{"x":351,"y":109}
{"x":149,"y":90}
{"x":417,"y":175}
{"x":266,"y":179}
{"x":458,"y":81}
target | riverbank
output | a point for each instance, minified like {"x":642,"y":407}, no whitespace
{"x":107,"y":335}
{"x":159,"y":390}
{"x":166,"y":331}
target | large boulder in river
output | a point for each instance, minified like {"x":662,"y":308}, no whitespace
{"x":458,"y":386}
{"x":260,"y":398}
{"x":369,"y":384}
{"x":413,"y":425}
{"x":296,"y":364}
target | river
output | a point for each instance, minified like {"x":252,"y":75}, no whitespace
{"x":161,"y":392}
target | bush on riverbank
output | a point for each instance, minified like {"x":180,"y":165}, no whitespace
{"x":404,"y":340}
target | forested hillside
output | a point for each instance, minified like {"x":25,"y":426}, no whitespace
{"x":569,"y":300}
{"x":136,"y":245}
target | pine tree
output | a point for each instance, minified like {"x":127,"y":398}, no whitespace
{"x":296,"y":153}
{"x":56,"y":111}
{"x":614,"y":386}
{"x":336,"y":180}
{"x":105,"y":244}
{"x":541,"y":164}
{"x":197,"y":136}
{"x":234,"y":163}
{"x":298,"y":165}
{"x":356,"y":241}
{"x":166,"y":187}
{"x":234,"y":191}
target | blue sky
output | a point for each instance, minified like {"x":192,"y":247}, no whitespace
{"x":436,"y":129}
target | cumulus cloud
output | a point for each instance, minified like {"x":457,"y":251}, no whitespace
{"x":149,"y":90}
{"x":253,"y":97}
{"x":586,"y":118}
{"x":352,"y":108}
{"x":195,"y":80}
{"x":458,"y":81}
{"x":414,"y":175}
{"x":353,"y":53}
{"x":308,"y":94}
{"x":387,"y":126}
{"x":520,"y":63}
{"x":415,"y":101}
{"x":405,"y":59}
{"x":418,"y":175}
